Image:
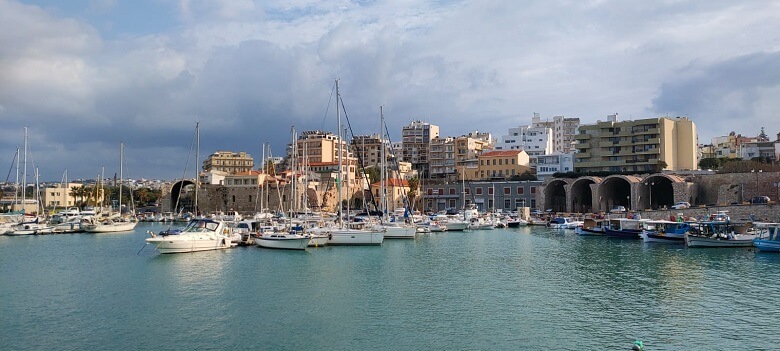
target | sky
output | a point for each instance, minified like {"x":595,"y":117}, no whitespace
{"x":87,"y":75}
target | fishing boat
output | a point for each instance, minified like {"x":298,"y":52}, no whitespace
{"x":665,"y":232}
{"x":592,"y":227}
{"x":199,"y":235}
{"x":768,"y":238}
{"x":624,"y":228}
{"x":564,"y":223}
{"x":717,"y":234}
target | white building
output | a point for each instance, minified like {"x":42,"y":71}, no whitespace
{"x":563,"y":131}
{"x":534,"y":140}
{"x":547,"y":165}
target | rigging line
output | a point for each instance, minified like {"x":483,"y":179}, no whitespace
{"x":330,"y":99}
{"x":360,"y":159}
{"x":16,"y":157}
{"x":184,"y":174}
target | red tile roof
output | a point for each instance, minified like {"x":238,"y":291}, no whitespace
{"x":500,"y":153}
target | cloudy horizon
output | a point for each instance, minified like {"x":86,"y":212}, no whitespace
{"x":87,"y":75}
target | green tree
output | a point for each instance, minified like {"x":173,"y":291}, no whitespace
{"x":414,"y":188}
{"x":373,"y":174}
{"x":527,"y":175}
{"x":709,"y":163}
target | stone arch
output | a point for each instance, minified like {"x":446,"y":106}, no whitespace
{"x":659,"y":190}
{"x":182,"y":196}
{"x":616,"y":190}
{"x":582,"y":194}
{"x":555,"y":195}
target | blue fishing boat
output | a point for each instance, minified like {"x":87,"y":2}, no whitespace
{"x":625,"y":228}
{"x":768,"y":238}
{"x":666,"y":232}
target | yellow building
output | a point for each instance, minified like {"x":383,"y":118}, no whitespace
{"x":396,"y":191}
{"x":500,"y":164}
{"x":61,"y":195}
{"x":229,"y":162}
{"x":642,"y":145}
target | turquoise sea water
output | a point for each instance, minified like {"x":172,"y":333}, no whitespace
{"x":520,"y":289}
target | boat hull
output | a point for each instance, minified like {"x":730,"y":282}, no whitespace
{"x":284,"y":243}
{"x":651,"y":237}
{"x":189,"y":243}
{"x":355,"y":237}
{"x":399,"y":232}
{"x":111,"y":228}
{"x":589,"y":232}
{"x":623,"y":234}
{"x":767,"y":245}
{"x":700,"y":241}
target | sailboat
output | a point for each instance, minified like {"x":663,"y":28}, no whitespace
{"x":29,"y":225}
{"x":117,"y":223}
{"x":200,"y":234}
{"x":392,"y":230}
{"x":286,"y":238}
{"x":337,"y":233}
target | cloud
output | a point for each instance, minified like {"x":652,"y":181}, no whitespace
{"x":721,"y":95}
{"x":249,"y":70}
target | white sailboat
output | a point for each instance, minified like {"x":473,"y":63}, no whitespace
{"x":392,"y":230}
{"x":118,"y":223}
{"x":337,"y":233}
{"x":286,"y":238}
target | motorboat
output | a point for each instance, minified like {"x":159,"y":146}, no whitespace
{"x":662,"y":231}
{"x":199,"y":235}
{"x":564,"y":223}
{"x":624,"y":228}
{"x":591,"y":227}
{"x":768,"y":238}
{"x":717,"y":234}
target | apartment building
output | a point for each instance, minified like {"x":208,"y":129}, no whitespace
{"x":501,"y":164}
{"x":442,"y":157}
{"x":562,"y":129}
{"x":637,"y":145}
{"x":416,"y":144}
{"x":229,"y":162}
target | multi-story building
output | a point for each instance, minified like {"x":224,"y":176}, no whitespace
{"x":468,"y":147}
{"x":396,"y":191}
{"x":368,"y":149}
{"x":228,"y":161}
{"x":318,"y":146}
{"x":68,"y":195}
{"x":534,"y":140}
{"x":501,"y":164}
{"x":644,"y":145}
{"x":442,"y":157}
{"x":416,"y":144}
{"x":547,"y":165}
{"x":563,"y":131}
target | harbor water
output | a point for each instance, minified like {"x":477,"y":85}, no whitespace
{"x":521,"y":289}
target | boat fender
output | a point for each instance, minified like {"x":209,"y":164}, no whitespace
{"x":638,"y":346}
{"x":330,"y":236}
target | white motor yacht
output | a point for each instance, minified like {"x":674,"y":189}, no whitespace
{"x":199,"y":235}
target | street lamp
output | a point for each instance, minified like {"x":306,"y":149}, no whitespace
{"x":628,"y":202}
{"x":650,"y":191}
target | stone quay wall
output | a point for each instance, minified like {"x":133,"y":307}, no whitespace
{"x":724,"y":189}
{"x":739,"y":213}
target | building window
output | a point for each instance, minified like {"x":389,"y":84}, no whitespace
{"x":507,"y":204}
{"x":507,"y":191}
{"x":452,"y":191}
{"x":490,"y":190}
{"x":233,"y":198}
{"x":533,"y":190}
{"x":441,"y":191}
{"x":430,"y":191}
{"x":479,"y":191}
{"x":519,"y":190}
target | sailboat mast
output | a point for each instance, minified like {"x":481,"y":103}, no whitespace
{"x":121,"y":175}
{"x":197,"y":159}
{"x":24,"y":174}
{"x":16,"y":184}
{"x":338,"y":130}
{"x":382,"y":165}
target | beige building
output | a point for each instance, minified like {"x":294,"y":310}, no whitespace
{"x":563,"y":131}
{"x":442,"y":157}
{"x":229,"y":162}
{"x":369,"y":149}
{"x":416,"y":144}
{"x":500,"y":164}
{"x":320,"y":147}
{"x":60,"y":195}
{"x":637,"y":146}
{"x":396,"y":191}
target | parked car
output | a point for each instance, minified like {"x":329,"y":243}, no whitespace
{"x":618,"y":209}
{"x":759,"y":200}
{"x":681,"y":205}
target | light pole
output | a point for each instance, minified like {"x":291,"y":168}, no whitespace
{"x":650,"y":192}
{"x":628,"y":202}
